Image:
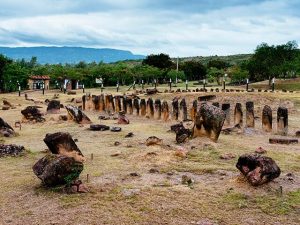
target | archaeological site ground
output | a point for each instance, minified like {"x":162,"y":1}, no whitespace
{"x":118,"y":159}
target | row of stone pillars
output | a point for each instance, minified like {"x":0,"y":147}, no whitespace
{"x":158,"y":109}
{"x":267,"y":118}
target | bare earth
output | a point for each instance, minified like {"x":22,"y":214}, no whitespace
{"x":219,"y":194}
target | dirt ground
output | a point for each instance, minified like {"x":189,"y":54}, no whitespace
{"x":123,"y":190}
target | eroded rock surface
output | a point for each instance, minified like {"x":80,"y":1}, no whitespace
{"x":258,"y":169}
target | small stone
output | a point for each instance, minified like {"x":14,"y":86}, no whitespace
{"x":115,"y":129}
{"x":103,"y":118}
{"x":98,"y":127}
{"x":260,"y":150}
{"x":122,"y":119}
{"x":82,"y":189}
{"x":182,"y":153}
{"x":154,"y":141}
{"x":134,"y":174}
{"x":151,"y":154}
{"x":5,"y":107}
{"x":186,"y":180}
{"x":227,"y":156}
{"x":117,"y":143}
{"x":115,"y":154}
{"x":130,"y":192}
{"x":153,"y":170}
{"x":129,"y":135}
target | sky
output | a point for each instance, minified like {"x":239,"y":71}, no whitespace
{"x":175,"y":27}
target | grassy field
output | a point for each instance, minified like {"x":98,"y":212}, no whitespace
{"x":280,"y":84}
{"x":219,"y":194}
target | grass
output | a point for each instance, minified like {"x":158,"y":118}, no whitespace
{"x":289,"y":85}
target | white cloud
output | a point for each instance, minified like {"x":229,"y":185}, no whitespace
{"x":229,"y":30}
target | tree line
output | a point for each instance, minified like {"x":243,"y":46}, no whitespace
{"x":267,"y":61}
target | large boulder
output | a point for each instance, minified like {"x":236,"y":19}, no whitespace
{"x":57,"y":170}
{"x":208,"y":122}
{"x":77,"y":115}
{"x":32,"y":113}
{"x":258,"y":169}
{"x":63,"y":144}
{"x":53,"y":107}
{"x":5,"y":129}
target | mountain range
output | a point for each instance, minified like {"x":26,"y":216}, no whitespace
{"x":55,"y":55}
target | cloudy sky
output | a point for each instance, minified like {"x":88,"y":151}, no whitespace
{"x":176,"y":27}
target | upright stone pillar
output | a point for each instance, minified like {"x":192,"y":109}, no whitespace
{"x":129,"y":106}
{"x":150,"y":108}
{"x":96,"y":102}
{"x":193,"y":111}
{"x":118,"y":103}
{"x":267,"y":119}
{"x":250,"y":114}
{"x":282,"y":121}
{"x":175,"y":109}
{"x":143,"y":107}
{"x":157,"y":109}
{"x":101,"y":103}
{"x":136,"y":106}
{"x":83,"y":102}
{"x":183,"y":108}
{"x":226,"y":109}
{"x":165,"y":111}
{"x":124,"y":103}
{"x":238,"y":115}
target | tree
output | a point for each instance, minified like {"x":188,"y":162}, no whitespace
{"x":272,"y":61}
{"x":3,"y":63}
{"x":13,"y":75}
{"x":217,"y":63}
{"x":161,"y":61}
{"x":173,"y":74}
{"x":194,"y":70}
{"x":237,"y":74}
{"x":214,"y":74}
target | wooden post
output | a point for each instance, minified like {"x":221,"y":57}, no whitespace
{"x":226,"y":109}
{"x":183,"y":108}
{"x":238,"y":115}
{"x":194,"y":110}
{"x":175,"y":109}
{"x":143,"y":107}
{"x":136,"y":105}
{"x":250,"y":114}
{"x":267,"y":119}
{"x":165,"y":110}
{"x":157,"y":109}
{"x":282,"y":121}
